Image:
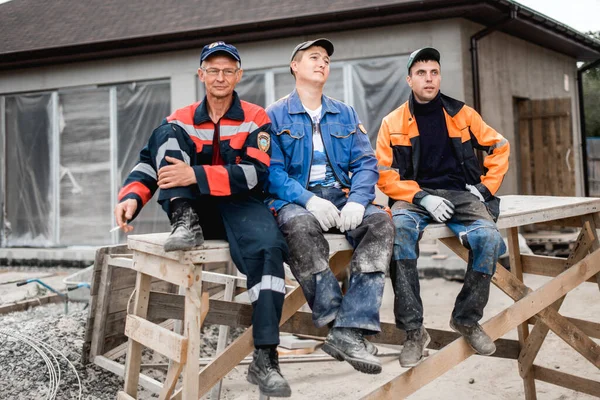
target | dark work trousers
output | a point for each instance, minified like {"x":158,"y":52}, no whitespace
{"x":257,"y":247}
{"x":474,"y":226}
{"x":372,"y":241}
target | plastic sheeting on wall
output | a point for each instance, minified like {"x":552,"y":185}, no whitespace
{"x":67,"y":199}
{"x":379,"y":87}
{"x":29,"y":183}
{"x":85,"y":206}
{"x":141,"y":107}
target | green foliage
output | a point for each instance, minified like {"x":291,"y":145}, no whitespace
{"x":591,"y":97}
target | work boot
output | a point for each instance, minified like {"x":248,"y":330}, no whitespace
{"x":348,"y":344}
{"x":186,"y":231}
{"x":264,"y":371}
{"x":371,"y":348}
{"x":414,"y":347}
{"x":476,"y":337}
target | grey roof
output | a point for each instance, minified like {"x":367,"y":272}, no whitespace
{"x":38,"y":32}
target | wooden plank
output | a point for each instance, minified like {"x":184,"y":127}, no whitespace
{"x":591,"y":329}
{"x":121,"y":395}
{"x":30,"y":303}
{"x":566,"y":139}
{"x":102,"y":301}
{"x":167,"y":270}
{"x":525,"y":147}
{"x":568,"y":381}
{"x":112,"y":366}
{"x":241,"y":347}
{"x":120,"y":350}
{"x":170,"y":381}
{"x":540,"y":330}
{"x":553,"y":174}
{"x":157,"y":338}
{"x":456,"y":352}
{"x":545,"y":265}
{"x":537,"y":143}
{"x":522,"y":329}
{"x":191,"y":329}
{"x":510,"y":285}
{"x":134,"y":349}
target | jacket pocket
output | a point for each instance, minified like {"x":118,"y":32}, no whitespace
{"x":342,"y":139}
{"x":290,"y":141}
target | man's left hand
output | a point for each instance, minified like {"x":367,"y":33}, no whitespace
{"x":475,"y":192}
{"x":351,"y":216}
{"x":178,"y":174}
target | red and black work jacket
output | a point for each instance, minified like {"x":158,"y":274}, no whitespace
{"x":242,"y":137}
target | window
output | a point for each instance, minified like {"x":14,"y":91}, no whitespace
{"x":67,"y":153}
{"x":374,"y":87}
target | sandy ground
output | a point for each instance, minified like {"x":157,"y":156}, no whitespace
{"x":491,"y":378}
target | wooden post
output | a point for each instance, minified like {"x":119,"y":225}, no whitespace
{"x":191,"y":326}
{"x":523,"y":329}
{"x":134,"y":349}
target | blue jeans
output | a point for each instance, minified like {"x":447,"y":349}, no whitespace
{"x":309,"y":261}
{"x":474,"y":226}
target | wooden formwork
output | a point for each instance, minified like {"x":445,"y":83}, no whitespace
{"x":538,"y":308}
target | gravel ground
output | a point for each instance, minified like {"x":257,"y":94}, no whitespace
{"x":23,"y":371}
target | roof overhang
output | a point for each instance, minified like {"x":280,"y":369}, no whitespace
{"x":528,"y":25}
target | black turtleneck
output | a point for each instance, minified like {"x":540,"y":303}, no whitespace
{"x":438,"y":167}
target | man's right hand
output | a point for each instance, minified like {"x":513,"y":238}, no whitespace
{"x":325,"y":212}
{"x":439,"y":208}
{"x":124,"y":212}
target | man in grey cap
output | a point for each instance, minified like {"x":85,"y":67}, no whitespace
{"x":322,"y":179}
{"x":429,"y":171}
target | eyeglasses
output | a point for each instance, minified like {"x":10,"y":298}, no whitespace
{"x":215,"y":71}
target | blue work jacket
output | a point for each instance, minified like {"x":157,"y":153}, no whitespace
{"x":345,"y":141}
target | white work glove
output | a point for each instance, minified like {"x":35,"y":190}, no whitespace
{"x":324,"y":211}
{"x":351,"y":216}
{"x":475,"y":192}
{"x":439,"y":208}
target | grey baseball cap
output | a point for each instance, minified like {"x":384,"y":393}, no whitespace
{"x":426,"y":53}
{"x":322,"y":42}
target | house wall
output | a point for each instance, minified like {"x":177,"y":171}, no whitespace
{"x":510,"y":67}
{"x":180,"y":66}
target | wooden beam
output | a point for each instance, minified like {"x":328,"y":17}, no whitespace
{"x":121,"y":349}
{"x":592,"y":329}
{"x":164,"y":269}
{"x":102,"y":300}
{"x":145,"y":381}
{"x":170,"y":381}
{"x":540,"y":330}
{"x":191,"y":329}
{"x":27,"y":304}
{"x":157,"y":338}
{"x":568,"y":381}
{"x":121,"y":395}
{"x":514,"y":252}
{"x":456,"y":352}
{"x":545,"y":265}
{"x":134,"y":349}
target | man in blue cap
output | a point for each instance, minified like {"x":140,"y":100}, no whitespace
{"x":210,"y":161}
{"x":322,"y":179}
{"x":429,"y":170}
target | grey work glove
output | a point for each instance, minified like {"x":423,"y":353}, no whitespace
{"x":439,"y":208}
{"x":475,"y":192}
{"x":324,"y":211}
{"x":351,"y":216}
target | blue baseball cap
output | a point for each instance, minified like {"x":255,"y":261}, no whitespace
{"x":219,"y":47}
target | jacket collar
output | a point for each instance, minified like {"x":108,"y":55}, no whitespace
{"x":295,"y":104}
{"x":452,"y":106}
{"x":235,"y":112}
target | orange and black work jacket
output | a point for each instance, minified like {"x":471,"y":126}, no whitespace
{"x":398,"y":150}
{"x":243,"y":136}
